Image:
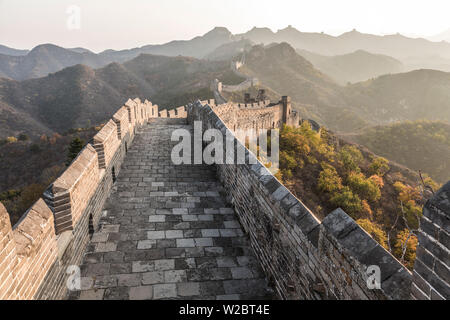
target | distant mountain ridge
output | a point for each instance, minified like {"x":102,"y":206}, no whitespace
{"x":221,"y":44}
{"x":12,"y":52}
{"x":48,"y":58}
{"x":420,"y":94}
{"x":80,"y":96}
{"x":395,"y":45}
{"x":354,"y":67}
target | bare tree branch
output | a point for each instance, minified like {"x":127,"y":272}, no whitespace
{"x":426,"y":186}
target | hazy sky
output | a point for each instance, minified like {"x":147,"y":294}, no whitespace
{"x":130,"y":23}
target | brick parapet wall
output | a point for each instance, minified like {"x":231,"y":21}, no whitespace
{"x":303,"y":258}
{"x":432,"y":267}
{"x":52,"y":235}
{"x":8,"y":256}
{"x":68,"y":194}
{"x":261,"y":115}
{"x":29,"y":253}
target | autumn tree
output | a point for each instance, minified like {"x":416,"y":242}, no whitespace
{"x":350,"y":158}
{"x":379,"y":167}
{"x":405,"y":248}
{"x":365,"y":188}
{"x":374,"y":230}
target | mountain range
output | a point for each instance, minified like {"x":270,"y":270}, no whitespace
{"x":415,"y":95}
{"x":221,"y":44}
{"x":79,"y":95}
{"x":351,"y":90}
{"x":354,"y":67}
{"x":48,"y":58}
{"x":395,"y":45}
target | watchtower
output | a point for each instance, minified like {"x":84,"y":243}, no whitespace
{"x":287,"y":107}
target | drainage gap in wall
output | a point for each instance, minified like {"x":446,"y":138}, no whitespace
{"x":91,"y":226}
{"x":113,"y":171}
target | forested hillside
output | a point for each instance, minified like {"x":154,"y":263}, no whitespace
{"x":419,"y":145}
{"x":328,"y":173}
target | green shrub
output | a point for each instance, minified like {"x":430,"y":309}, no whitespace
{"x":374,"y":230}
{"x":350,"y":158}
{"x":365,"y":188}
{"x":35,"y":148}
{"x":76,"y":145}
{"x":329,"y":179}
{"x":23,"y":137}
{"x":379,"y":167}
{"x":348,"y":201}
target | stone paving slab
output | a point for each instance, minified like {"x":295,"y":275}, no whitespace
{"x":167,"y":233}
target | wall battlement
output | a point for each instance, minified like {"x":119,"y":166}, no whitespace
{"x":258,"y":115}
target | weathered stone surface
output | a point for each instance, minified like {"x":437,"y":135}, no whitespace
{"x":188,"y":219}
{"x":432,"y":275}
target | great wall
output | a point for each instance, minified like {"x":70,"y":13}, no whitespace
{"x":141,"y":227}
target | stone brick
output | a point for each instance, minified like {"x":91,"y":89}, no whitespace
{"x":165,"y":291}
{"x":188,"y":289}
{"x":141,"y":293}
{"x":152,"y":277}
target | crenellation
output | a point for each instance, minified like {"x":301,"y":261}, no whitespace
{"x":181,"y":112}
{"x":172,"y":113}
{"x":122,"y":122}
{"x":130,"y":105}
{"x":106,"y":142}
{"x":163,"y":114}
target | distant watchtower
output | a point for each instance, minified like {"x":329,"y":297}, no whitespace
{"x":287,"y":107}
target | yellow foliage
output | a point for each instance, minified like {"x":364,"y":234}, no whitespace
{"x":411,"y":246}
{"x":374,"y":230}
{"x":11,"y":139}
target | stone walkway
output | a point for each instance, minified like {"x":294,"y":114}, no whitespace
{"x":167,"y":233}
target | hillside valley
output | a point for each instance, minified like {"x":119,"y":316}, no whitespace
{"x":416,"y":95}
{"x":418,"y":145}
{"x":80,"y":96}
{"x":354,"y":67}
